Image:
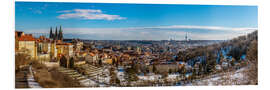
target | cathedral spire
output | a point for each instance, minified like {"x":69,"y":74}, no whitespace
{"x":55,"y":34}
{"x":60,"y":36}
{"x":51,"y":34}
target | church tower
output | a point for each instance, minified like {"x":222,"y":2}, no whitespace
{"x":51,"y":34}
{"x":186,"y":37}
{"x":55,"y":34}
{"x":60,"y":36}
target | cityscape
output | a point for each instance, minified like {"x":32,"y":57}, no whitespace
{"x":63,"y":45}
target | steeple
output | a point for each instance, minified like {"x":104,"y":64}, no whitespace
{"x":60,"y":36}
{"x":51,"y":34}
{"x":186,"y":37}
{"x":55,"y":34}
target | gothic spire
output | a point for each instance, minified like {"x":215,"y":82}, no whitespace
{"x":51,"y":34}
{"x":60,"y":37}
{"x":55,"y":34}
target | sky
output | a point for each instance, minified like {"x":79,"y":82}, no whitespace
{"x":111,"y":21}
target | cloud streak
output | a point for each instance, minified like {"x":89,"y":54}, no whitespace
{"x":201,"y":27}
{"x":87,"y":14}
{"x":152,"y":33}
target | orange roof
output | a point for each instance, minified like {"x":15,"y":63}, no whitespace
{"x":64,"y":44}
{"x":59,"y":41}
{"x":27,"y":37}
{"x":92,"y":54}
{"x":43,"y":39}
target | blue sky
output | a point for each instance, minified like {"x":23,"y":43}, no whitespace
{"x":103,"y":21}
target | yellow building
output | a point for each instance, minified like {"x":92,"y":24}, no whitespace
{"x":64,"y":49}
{"x":53,"y":51}
{"x":43,"y":48}
{"x":27,"y":44}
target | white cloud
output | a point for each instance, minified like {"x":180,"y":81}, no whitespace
{"x":39,"y":10}
{"x":88,"y":14}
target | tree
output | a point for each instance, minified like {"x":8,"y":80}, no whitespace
{"x":71,"y":62}
{"x":164,"y":75}
{"x":135,"y":67}
{"x":252,"y":53}
{"x":154,"y":68}
{"x":252,"y":57}
{"x":170,"y":71}
{"x":114,"y":79}
{"x":210,"y":62}
{"x":100,"y":62}
{"x":130,"y":75}
{"x":63,"y":61}
{"x":113,"y":61}
{"x":21,"y":59}
{"x":235,"y":52}
{"x":232,"y":62}
{"x":117,"y":63}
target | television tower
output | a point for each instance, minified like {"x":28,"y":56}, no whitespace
{"x":186,"y":37}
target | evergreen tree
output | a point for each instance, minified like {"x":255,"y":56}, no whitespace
{"x":71,"y":63}
{"x":113,"y":61}
{"x":235,"y":53}
{"x":99,"y":62}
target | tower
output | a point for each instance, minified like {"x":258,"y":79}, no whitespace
{"x":51,"y":34}
{"x":60,"y":36}
{"x":55,"y":34}
{"x":186,"y":37}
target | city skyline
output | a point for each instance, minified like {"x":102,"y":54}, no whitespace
{"x":105,"y":21}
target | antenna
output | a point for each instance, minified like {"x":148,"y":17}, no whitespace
{"x":174,"y":35}
{"x":186,"y":37}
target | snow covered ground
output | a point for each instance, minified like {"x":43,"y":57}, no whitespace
{"x":31,"y":81}
{"x":150,"y":77}
{"x":227,"y":78}
{"x":88,"y":82}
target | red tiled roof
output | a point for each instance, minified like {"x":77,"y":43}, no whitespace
{"x":92,"y":54}
{"x":63,"y":44}
{"x":43,"y":39}
{"x":27,"y":37}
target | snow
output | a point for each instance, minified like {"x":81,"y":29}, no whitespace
{"x":150,"y":77}
{"x":227,"y":78}
{"x":88,"y":82}
{"x":30,"y":79}
{"x":120,"y":76}
{"x":172,"y":76}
